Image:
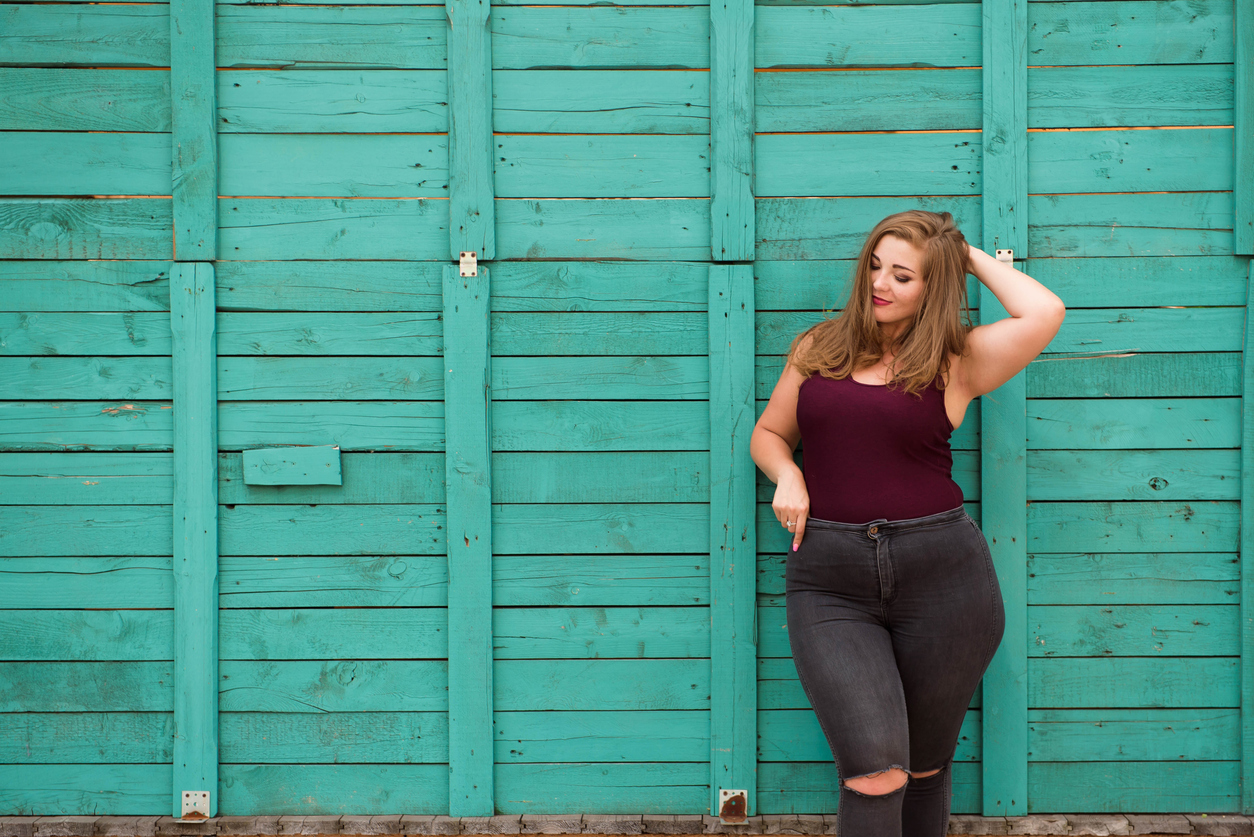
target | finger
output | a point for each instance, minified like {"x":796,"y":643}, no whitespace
{"x":796,"y":537}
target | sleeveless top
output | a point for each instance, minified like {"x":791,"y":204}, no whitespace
{"x":871,"y":452}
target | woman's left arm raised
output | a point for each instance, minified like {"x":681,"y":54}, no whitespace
{"x":997,"y":351}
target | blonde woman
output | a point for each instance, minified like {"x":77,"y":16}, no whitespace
{"x":894,"y":609}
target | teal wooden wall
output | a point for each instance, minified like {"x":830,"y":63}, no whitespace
{"x":525,"y":596}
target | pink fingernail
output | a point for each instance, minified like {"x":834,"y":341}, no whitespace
{"x":794,"y":547}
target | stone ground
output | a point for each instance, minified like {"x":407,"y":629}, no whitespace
{"x":610,"y":824}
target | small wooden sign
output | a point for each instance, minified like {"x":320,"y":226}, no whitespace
{"x":297,"y":465}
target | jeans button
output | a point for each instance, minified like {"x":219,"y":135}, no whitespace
{"x":874,"y":530}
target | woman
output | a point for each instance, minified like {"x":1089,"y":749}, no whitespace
{"x":894,"y":610}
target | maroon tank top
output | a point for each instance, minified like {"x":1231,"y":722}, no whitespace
{"x":871,"y":452}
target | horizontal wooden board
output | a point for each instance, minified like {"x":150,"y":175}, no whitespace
{"x":571,"y":580}
{"x":1136,"y":375}
{"x":523,"y":633}
{"x":87,"y":687}
{"x":1201,"y":526}
{"x":1173,"y":329}
{"x":1171,"y":224}
{"x":611,"y":788}
{"x":368,"y":477}
{"x":340,"y":333}
{"x":82,"y":286}
{"x":318,"y":379}
{"x":601,"y":166}
{"x":97,"y":35}
{"x":86,"y":635}
{"x":61,"y":99}
{"x":250,"y":581}
{"x":1133,"y":32}
{"x":553,"y":37}
{"x":628,"y":378}
{"x":598,"y":425}
{"x":333,"y":165}
{"x":333,"y":686}
{"x":332,"y":101}
{"x":1133,"y":630}
{"x":581,"y":477}
{"x":310,"y":228}
{"x":86,"y":478}
{"x":1149,"y":786}
{"x":1134,"y":578}
{"x":1133,"y":423}
{"x":794,"y":735}
{"x":1120,"y":160}
{"x":383,"y":529}
{"x":407,"y":633}
{"x":88,"y":738}
{"x":814,"y":787}
{"x":330,"y":789}
{"x":1117,"y":96}
{"x":836,"y":228}
{"x":601,"y":685}
{"x":1079,"y":735}
{"x":600,"y":102}
{"x":533,"y":529}
{"x":86,"y":530}
{"x":619,"y":736}
{"x":639,"y":228}
{"x":1133,"y":682}
{"x":86,"y":228}
{"x":87,"y":163}
{"x":47,"y":378}
{"x":1134,"y":475}
{"x":333,"y":738}
{"x":331,"y":37}
{"x":942,"y":35}
{"x":598,"y":333}
{"x":86,"y":582}
{"x":1137,"y":281}
{"x":598,"y":286}
{"x":71,"y":789}
{"x":341,"y":286}
{"x":852,"y":100}
{"x":908,"y":164}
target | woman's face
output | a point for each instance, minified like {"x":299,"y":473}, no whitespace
{"x":896,"y":283}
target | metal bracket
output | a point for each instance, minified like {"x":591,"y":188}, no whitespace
{"x":195,"y":805}
{"x":733,"y":805}
{"x":1007,"y":256}
{"x":469,"y":263}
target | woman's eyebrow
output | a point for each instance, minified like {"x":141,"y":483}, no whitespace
{"x":902,"y":266}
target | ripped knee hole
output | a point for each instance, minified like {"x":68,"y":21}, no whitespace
{"x":879,"y":783}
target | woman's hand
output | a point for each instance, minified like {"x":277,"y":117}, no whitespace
{"x":792,"y":504}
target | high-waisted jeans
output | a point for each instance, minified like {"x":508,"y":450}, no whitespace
{"x":892,"y":625}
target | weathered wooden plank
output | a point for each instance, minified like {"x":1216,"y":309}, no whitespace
{"x":597,"y":286}
{"x":1149,"y":786}
{"x":523,"y":528}
{"x":1119,"y":160}
{"x":369,"y":477}
{"x":1138,"y":94}
{"x":942,"y":35}
{"x":82,"y":286}
{"x":1134,"y":734}
{"x":620,"y":736}
{"x":524,"y":633}
{"x":195,"y":392}
{"x":602,"y":685}
{"x":1075,"y":682}
{"x":74,"y":377}
{"x":55,"y":34}
{"x":88,"y":687}
{"x":94,"y":228}
{"x":600,"y":36}
{"x":732,"y":181}
{"x":334,"y":165}
{"x":380,"y":633}
{"x":667,"y":378}
{"x":1134,"y":475}
{"x":471,"y":188}
{"x":353,"y":425}
{"x":309,"y":228}
{"x":88,"y":738}
{"x":86,"y":582}
{"x":327,"y":334}
{"x":609,"y":166}
{"x":600,"y":333}
{"x":1173,"y":224}
{"x":71,"y":789}
{"x":1135,"y":375}
{"x":908,"y":164}
{"x":792,"y":735}
{"x":85,"y":530}
{"x":578,"y":477}
{"x":383,"y":529}
{"x":472,"y":527}
{"x":340,"y":286}
{"x":732,"y":524}
{"x":1203,"y":526}
{"x":332,"y":101}
{"x":74,"y":635}
{"x":293,"y":465}
{"x":1134,"y":423}
{"x":1134,"y":578}
{"x":1247,"y":495}
{"x":1111,"y":282}
{"x":332,"y":37}
{"x":338,"y":789}
{"x":1243,"y":189}
{"x":334,"y":686}
{"x":573,"y":580}
{"x":647,"y":228}
{"x":334,"y":738}
{"x":316,"y":379}
{"x":193,"y":126}
{"x":86,"y":478}
{"x":250,"y":581}
{"x":850,"y":100}
{"x":600,"y":102}
{"x":1135,"y":32}
{"x":60,"y":99}
{"x":1133,"y":630}
{"x":612,"y":788}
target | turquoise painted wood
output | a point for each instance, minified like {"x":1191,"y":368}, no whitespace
{"x":1247,"y":538}
{"x":1003,"y":425}
{"x":594,"y":650}
{"x":312,"y":465}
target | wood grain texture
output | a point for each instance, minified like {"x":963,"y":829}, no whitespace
{"x":1141,"y":95}
{"x":193,"y":126}
{"x":615,"y":166}
{"x":471,"y":187}
{"x":312,"y":228}
{"x":561,"y":37}
{"x":68,"y":34}
{"x":60,"y":99}
{"x":600,"y":102}
{"x":88,"y":163}
{"x":334,"y":165}
{"x":1247,"y":534}
{"x":122,"y":286}
{"x":732,"y":158}
{"x":1243,"y":189}
{"x":122,"y":228}
{"x":1138,"y":32}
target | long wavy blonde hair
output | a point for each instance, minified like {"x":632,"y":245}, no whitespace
{"x":854,"y":339}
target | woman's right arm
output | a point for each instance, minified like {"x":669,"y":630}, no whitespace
{"x":771,"y":446}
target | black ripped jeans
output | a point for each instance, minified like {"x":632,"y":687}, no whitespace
{"x":892,"y":625}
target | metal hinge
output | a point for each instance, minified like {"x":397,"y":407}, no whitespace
{"x":1007,"y":256}
{"x":195,"y":805}
{"x":733,"y":805}
{"x":469,"y":263}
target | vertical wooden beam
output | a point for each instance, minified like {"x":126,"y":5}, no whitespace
{"x":472,"y":225}
{"x":1247,"y":551}
{"x":733,"y":539}
{"x":193,"y":113}
{"x":195,"y":377}
{"x":1003,"y":445}
{"x":731,"y":130}
{"x":468,"y":501}
{"x":1243,"y":127}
